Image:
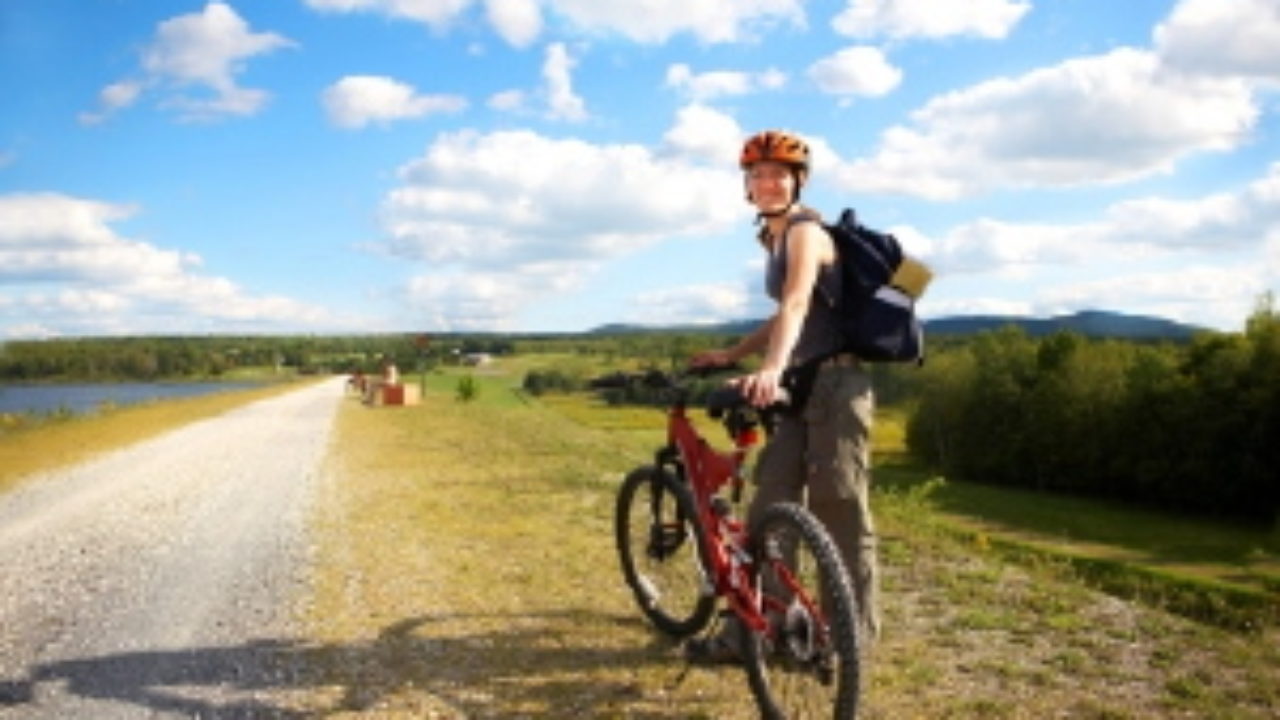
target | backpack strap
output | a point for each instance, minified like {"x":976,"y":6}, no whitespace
{"x":805,"y":215}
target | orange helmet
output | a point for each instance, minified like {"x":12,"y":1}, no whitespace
{"x":776,"y":146}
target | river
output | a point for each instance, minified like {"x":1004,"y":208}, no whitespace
{"x":81,"y":398}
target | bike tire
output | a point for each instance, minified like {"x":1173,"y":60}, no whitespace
{"x":662,"y":549}
{"x":798,"y":669}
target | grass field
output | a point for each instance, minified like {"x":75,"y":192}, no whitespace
{"x":467,"y":569}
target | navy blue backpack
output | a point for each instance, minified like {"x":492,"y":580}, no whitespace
{"x":881,"y":284}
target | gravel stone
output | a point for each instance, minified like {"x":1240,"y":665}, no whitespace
{"x":160,"y":580}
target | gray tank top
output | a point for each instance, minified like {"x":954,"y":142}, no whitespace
{"x":819,"y":336}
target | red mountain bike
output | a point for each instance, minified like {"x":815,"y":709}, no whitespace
{"x":682,"y":546}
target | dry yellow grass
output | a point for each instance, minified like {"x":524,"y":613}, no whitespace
{"x":64,"y":443}
{"x":467,"y":569}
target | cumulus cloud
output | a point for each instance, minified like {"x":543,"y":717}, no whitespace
{"x":201,"y":52}
{"x":436,"y":13}
{"x":929,"y":18}
{"x":519,"y":22}
{"x":691,"y":304}
{"x":1223,"y":39}
{"x":1245,"y":219}
{"x":489,"y":300}
{"x":705,"y":134}
{"x":855,"y":71}
{"x":653,"y":21}
{"x":500,"y":219}
{"x":66,"y":266}
{"x":1105,"y":119}
{"x":358,"y":100}
{"x":1102,"y":119}
{"x":656,"y":21}
{"x":557,"y":69}
{"x":721,"y":83}
{"x":1214,"y":255}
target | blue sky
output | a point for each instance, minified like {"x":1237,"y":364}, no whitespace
{"x":326,"y":166}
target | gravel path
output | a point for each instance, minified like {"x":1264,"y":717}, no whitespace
{"x":159,"y":581}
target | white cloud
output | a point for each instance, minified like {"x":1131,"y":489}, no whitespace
{"x":357,"y":100}
{"x":488,"y":300}
{"x":721,"y":83}
{"x":202,"y":51}
{"x":557,"y":70}
{"x":67,"y":267}
{"x":859,"y":70}
{"x":1209,"y":258}
{"x":705,"y":134}
{"x":691,"y":304}
{"x":1216,"y":296}
{"x":1103,"y":119}
{"x":507,"y":101}
{"x":656,"y":21}
{"x":112,"y":98}
{"x":512,"y":204}
{"x":436,"y":13}
{"x":1243,"y":220}
{"x":519,"y":22}
{"x":929,"y":18}
{"x":1240,"y":38}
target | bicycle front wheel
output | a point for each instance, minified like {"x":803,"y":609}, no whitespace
{"x":662,"y":549}
{"x":806,"y":665}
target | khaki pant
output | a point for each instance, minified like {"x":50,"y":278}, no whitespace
{"x":826,"y":451}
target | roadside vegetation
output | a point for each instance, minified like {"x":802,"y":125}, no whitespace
{"x":470,"y":543}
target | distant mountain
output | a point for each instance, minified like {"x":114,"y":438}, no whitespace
{"x":1090,"y":323}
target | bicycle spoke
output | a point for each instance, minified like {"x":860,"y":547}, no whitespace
{"x":806,"y":666}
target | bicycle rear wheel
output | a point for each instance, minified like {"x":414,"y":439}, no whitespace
{"x":662,"y":549}
{"x":806,"y":665}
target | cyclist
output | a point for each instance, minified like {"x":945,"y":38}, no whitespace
{"x":821,"y":447}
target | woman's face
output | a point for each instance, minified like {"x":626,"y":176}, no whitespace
{"x":771,"y":186}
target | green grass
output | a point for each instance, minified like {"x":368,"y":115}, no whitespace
{"x":1215,"y":571}
{"x":483,"y":530}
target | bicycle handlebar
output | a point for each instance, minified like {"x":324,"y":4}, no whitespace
{"x":719,"y":400}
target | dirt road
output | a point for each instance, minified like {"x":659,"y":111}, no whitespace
{"x":159,"y":581}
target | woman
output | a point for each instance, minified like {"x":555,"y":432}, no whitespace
{"x":822,"y":447}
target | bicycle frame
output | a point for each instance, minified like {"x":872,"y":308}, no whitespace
{"x":707,"y":471}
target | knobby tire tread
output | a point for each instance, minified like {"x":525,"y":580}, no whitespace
{"x":842,"y":613}
{"x":635,"y":489}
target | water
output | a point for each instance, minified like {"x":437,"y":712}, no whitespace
{"x":82,"y":398}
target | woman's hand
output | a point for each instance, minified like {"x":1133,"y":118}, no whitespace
{"x":760,"y":388}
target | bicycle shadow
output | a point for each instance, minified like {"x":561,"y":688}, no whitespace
{"x":471,"y":674}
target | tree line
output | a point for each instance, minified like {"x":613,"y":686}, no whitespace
{"x":1184,"y":425}
{"x":1192,"y":427}
{"x":189,"y":357}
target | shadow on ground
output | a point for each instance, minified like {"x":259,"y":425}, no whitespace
{"x":534,"y":667}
